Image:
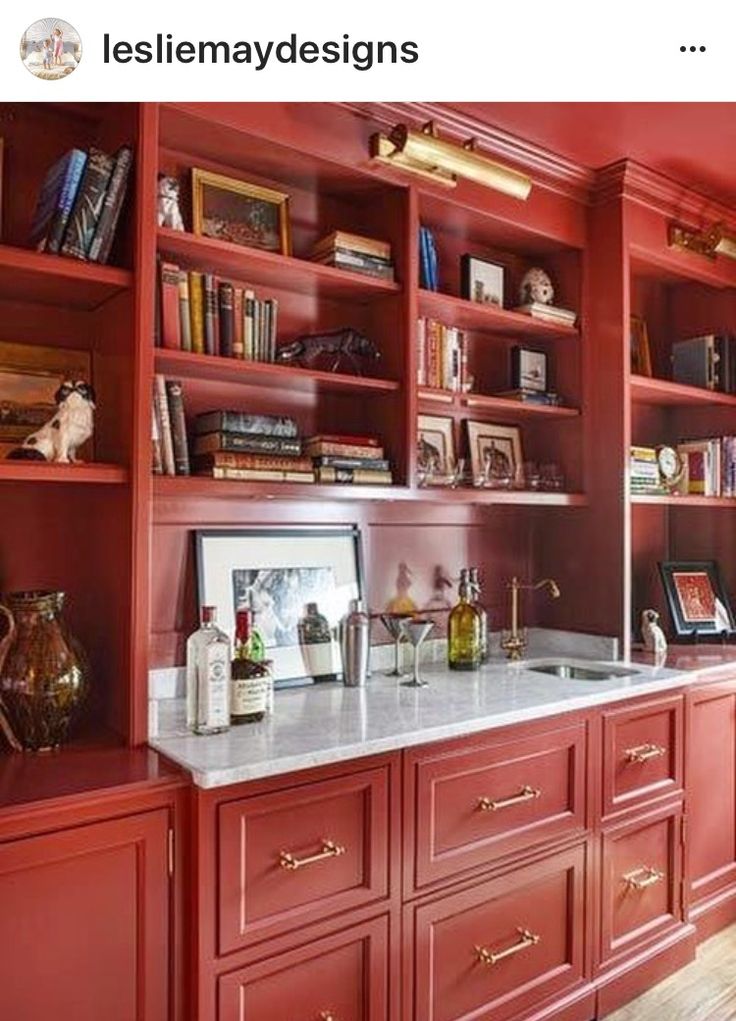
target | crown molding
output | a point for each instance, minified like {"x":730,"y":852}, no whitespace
{"x":549,"y":170}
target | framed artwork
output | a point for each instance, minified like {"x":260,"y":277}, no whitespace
{"x":435,"y":443}
{"x":528,"y":369}
{"x":29,"y":379}
{"x":279,"y":573}
{"x":641,"y":356}
{"x":494,"y":449}
{"x":697,"y":600}
{"x":482,"y":281}
{"x":239,"y":212}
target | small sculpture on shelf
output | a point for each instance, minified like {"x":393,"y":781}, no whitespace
{"x":652,"y":634}
{"x":167,"y":203}
{"x":66,"y":431}
{"x":536,"y":287}
{"x":335,"y":346}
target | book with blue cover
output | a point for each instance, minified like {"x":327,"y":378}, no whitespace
{"x":56,"y":201}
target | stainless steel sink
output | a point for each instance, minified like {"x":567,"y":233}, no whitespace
{"x":571,"y":671}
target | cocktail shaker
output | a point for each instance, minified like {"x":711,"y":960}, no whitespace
{"x":355,"y":645}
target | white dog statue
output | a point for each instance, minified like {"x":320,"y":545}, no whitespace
{"x":168,"y":212}
{"x":652,"y":633}
{"x":71,"y":426}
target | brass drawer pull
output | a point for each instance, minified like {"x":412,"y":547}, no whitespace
{"x":528,"y":939}
{"x":641,"y":878}
{"x":644,"y":752}
{"x":329,"y":850}
{"x":526,"y":793}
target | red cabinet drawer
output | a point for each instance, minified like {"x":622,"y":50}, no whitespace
{"x":298,"y":855}
{"x":499,"y":948}
{"x":341,"y":978}
{"x":642,"y":753}
{"x":475,"y":803}
{"x":640,"y":882}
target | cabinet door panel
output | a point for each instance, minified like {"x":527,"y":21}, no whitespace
{"x":84,"y":923}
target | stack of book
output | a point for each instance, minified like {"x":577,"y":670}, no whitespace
{"x":357,"y":460}
{"x":644,"y":472}
{"x":548,"y":397}
{"x":357,"y":253}
{"x":250,"y":448}
{"x":428,"y":261}
{"x":549,"y":313}
{"x":169,"y":429}
{"x":442,"y":356}
{"x":79,"y":205}
{"x":199,"y":312}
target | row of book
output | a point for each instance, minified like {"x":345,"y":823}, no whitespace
{"x":428,"y":261}
{"x":708,"y":468}
{"x":356,"y":253}
{"x":170,"y":446}
{"x":442,"y":356}
{"x":198,"y":312}
{"x":79,"y":205}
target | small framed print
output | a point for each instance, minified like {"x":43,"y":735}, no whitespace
{"x":528,"y":369}
{"x":641,"y":356}
{"x":435,"y":444}
{"x":240,"y":212}
{"x":482,"y":281}
{"x":697,"y":600}
{"x":495,"y":450}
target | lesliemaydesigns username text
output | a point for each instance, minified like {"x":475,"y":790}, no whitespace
{"x":163,"y":49}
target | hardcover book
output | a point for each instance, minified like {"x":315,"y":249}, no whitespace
{"x":252,"y":443}
{"x":80,"y":229}
{"x":161,"y":405}
{"x":99,"y":250}
{"x":196,"y":310}
{"x":242,"y":422}
{"x":56,"y":201}
{"x":170,"y":316}
{"x":175,"y":398}
{"x":233,"y":459}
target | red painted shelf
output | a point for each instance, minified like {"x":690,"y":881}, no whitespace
{"x":54,"y":280}
{"x":480,"y":403}
{"x":516,"y":497}
{"x":235,"y":370}
{"x":470,"y":315}
{"x":267,"y":269}
{"x":663,"y":392}
{"x":685,"y":501}
{"x":37,"y":471}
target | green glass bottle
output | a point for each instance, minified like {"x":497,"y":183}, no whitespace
{"x":464,"y":629}
{"x":476,"y":594}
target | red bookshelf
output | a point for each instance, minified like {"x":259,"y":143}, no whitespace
{"x":469,"y":315}
{"x":482,"y":404}
{"x":37,"y":277}
{"x":69,"y":474}
{"x":665,"y":393}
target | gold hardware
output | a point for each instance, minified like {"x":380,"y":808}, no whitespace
{"x":528,"y":939}
{"x":641,"y":878}
{"x":526,"y":793}
{"x":514,"y":642}
{"x":713,"y":241}
{"x":423,"y":152}
{"x":329,"y":850}
{"x":644,"y":752}
{"x":326,"y":1015}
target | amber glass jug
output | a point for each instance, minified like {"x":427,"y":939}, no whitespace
{"x":44,"y":677}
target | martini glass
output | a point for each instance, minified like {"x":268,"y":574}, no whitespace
{"x":416,"y":631}
{"x":394,"y":624}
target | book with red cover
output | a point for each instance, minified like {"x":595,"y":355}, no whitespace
{"x":170,"y":324}
{"x":224,"y":459}
{"x":350,"y":440}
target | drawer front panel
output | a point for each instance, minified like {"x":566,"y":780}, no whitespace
{"x":299,"y":855}
{"x":475,"y":806}
{"x":501,"y":947}
{"x":340,"y":978}
{"x":641,"y":882}
{"x":643,"y":753}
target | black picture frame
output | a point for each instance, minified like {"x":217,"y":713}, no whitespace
{"x":523,"y":361}
{"x":257,"y":550}
{"x":470,"y":266}
{"x":697,"y":582}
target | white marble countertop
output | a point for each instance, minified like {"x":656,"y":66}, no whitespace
{"x":323,"y":724}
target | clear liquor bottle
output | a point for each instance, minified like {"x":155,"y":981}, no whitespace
{"x":208,"y":676}
{"x":463,"y":631}
{"x":476,"y":594}
{"x":251,"y":684}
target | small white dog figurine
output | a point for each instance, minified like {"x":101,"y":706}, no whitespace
{"x":652,"y":633}
{"x":168,"y":212}
{"x":71,"y":426}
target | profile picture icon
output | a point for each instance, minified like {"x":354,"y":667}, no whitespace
{"x":51,"y":48}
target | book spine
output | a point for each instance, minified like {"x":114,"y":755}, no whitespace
{"x":354,"y":243}
{"x":196,"y":310}
{"x":421,"y":351}
{"x":353,"y":475}
{"x":157,"y":464}
{"x":99,"y":250}
{"x":185,"y":318}
{"x":342,"y":450}
{"x":463,"y":357}
{"x":88,"y":205}
{"x":269,"y":461}
{"x":164,"y":425}
{"x":238,"y":324}
{"x":425,"y":278}
{"x":336,"y":461}
{"x":67,"y":198}
{"x":238,"y":443}
{"x":170,"y":326}
{"x":260,"y":475}
{"x":175,"y":398}
{"x":225,"y":295}
{"x":273,"y":331}
{"x":434,"y":276}
{"x":210,"y":314}
{"x":249,"y":300}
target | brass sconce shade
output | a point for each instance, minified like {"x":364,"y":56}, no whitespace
{"x":423,"y":153}
{"x":712,"y":242}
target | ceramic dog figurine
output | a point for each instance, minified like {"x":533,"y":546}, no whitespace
{"x":71,"y":426}
{"x":167,"y":203}
{"x":652,"y":633}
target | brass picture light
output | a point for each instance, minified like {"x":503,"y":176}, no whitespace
{"x":716,"y":240}
{"x":424,"y":153}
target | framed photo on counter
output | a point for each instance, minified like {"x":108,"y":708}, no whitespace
{"x":697,"y":599}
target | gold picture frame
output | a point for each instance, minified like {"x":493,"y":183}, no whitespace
{"x":641,"y":355}
{"x":265,"y":221}
{"x":435,"y":443}
{"x":501,"y":442}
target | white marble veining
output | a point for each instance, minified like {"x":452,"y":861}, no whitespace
{"x":329,"y":723}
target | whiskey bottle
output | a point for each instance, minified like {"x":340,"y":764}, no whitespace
{"x":476,"y":593}
{"x":464,"y":629}
{"x":251,"y":682}
{"x":208,"y":676}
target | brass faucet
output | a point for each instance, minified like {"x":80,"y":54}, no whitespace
{"x":514,"y":642}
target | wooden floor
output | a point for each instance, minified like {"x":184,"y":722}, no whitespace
{"x":703,"y":991}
